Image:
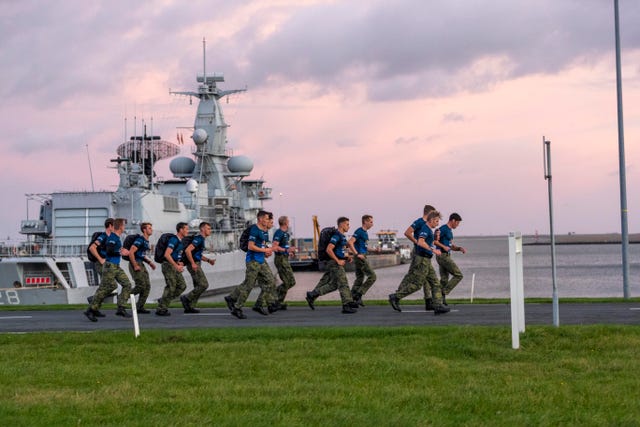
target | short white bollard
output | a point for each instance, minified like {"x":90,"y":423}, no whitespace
{"x":134,"y":314}
{"x":473,"y":285}
{"x":517,"y":288}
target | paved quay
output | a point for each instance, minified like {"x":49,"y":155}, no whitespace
{"x":325,"y":316}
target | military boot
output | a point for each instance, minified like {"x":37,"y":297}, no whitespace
{"x":347,"y":309}
{"x":311,"y":298}
{"x":428,"y":304}
{"x":395,"y":302}
{"x":441,"y":309}
{"x":122,"y":312}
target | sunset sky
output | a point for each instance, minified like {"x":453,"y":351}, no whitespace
{"x":352,"y":107}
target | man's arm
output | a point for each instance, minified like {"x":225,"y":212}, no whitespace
{"x":94,"y":250}
{"x":132,"y":257}
{"x":189,"y":254}
{"x":409,"y":235}
{"x":332,"y":255}
{"x":255,"y":248}
{"x":168,"y":257}
{"x":423,"y":244}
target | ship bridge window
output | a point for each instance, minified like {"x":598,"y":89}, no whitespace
{"x":75,"y":226}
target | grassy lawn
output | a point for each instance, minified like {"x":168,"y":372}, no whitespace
{"x":405,"y":376}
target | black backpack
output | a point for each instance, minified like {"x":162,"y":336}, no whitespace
{"x":161,"y":247}
{"x":187,"y":241}
{"x":244,"y":239}
{"x":128,"y":242}
{"x":325,"y":238}
{"x":94,"y":237}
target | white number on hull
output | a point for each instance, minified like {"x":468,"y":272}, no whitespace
{"x":11,"y":298}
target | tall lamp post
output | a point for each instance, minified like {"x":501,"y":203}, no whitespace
{"x":622,"y":165}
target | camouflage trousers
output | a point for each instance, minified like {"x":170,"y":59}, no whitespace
{"x":256,"y":275}
{"x":363,"y":269}
{"x":447,"y":266}
{"x":174,"y":285}
{"x":112,"y":275}
{"x":98,"y":267}
{"x":200,"y":284}
{"x":421,"y":274}
{"x":286,"y":275}
{"x":142,"y":283}
{"x":333,"y":279}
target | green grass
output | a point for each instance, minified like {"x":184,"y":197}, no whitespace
{"x":405,"y":376}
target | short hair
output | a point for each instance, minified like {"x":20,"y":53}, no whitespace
{"x":119,"y":222}
{"x":203,"y":224}
{"x":455,"y":217}
{"x":342,"y":219}
{"x":433,"y":214}
{"x":282,"y":220}
{"x":427,"y":209}
{"x":366,"y":218}
{"x":262,"y":213}
{"x":108,"y":222}
{"x":181,"y":225}
{"x":144,"y":225}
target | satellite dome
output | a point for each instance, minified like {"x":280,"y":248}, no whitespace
{"x":192,"y":186}
{"x":240,"y":164}
{"x":182,"y":167}
{"x":199,"y":136}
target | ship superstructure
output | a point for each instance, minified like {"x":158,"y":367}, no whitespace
{"x":211,"y":186}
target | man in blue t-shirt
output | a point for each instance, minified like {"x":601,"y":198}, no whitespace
{"x":358,"y":245}
{"x":423,"y":271}
{"x":172,"y":268}
{"x":335,"y":277}
{"x":112,"y":275}
{"x":446,"y":264}
{"x":281,"y":250}
{"x":412,"y":234}
{"x":193,"y":253}
{"x":137,"y":260}
{"x":258,"y":271}
{"x":97,"y":248}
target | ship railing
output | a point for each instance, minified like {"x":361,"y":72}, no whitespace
{"x":46,"y":248}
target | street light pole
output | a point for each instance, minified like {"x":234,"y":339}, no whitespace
{"x":622,"y":165}
{"x":546,"y":157}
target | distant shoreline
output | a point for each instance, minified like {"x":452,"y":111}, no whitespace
{"x":571,"y":239}
{"x":581,"y":239}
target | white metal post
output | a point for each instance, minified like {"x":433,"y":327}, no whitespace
{"x":134,"y":313}
{"x":517,"y":288}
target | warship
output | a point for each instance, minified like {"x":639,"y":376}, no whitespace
{"x":51,"y":265}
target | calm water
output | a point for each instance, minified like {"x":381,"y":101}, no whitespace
{"x":582,"y":271}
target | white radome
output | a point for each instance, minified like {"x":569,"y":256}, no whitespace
{"x":240,"y":164}
{"x":199,"y":136}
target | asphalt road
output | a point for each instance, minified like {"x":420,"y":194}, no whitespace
{"x":375,"y":315}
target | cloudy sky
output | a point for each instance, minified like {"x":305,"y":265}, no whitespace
{"x":352,"y":107}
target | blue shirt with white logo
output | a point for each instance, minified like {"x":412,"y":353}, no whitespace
{"x":112,"y":248}
{"x":260,"y":239}
{"x":282,"y":237}
{"x":198,"y":247}
{"x":427,"y":234}
{"x":417,"y":226}
{"x":176,"y":245}
{"x":362,"y":237}
{"x":101,"y":244}
{"x":339,"y":241}
{"x":143,"y":246}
